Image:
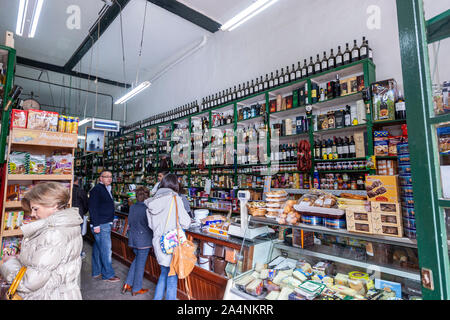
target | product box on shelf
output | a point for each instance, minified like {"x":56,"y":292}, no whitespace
{"x":19,"y":118}
{"x":385,"y":207}
{"x":360,"y":139}
{"x":385,"y":95}
{"x":387,"y":224}
{"x":359,"y":221}
{"x":383,"y":189}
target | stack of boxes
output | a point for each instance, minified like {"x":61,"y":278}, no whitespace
{"x":383,"y":217}
{"x":406,"y":188}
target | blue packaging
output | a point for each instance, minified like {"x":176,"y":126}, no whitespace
{"x":402,"y":148}
{"x":410,"y":233}
{"x":409,"y":223}
{"x":408,"y":201}
{"x":406,"y":191}
{"x":335,"y":223}
{"x":393,"y":286}
{"x":404,"y":169}
{"x":408,"y":211}
{"x":405,"y":180}
{"x":312,"y":220}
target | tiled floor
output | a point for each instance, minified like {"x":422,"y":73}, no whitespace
{"x":92,"y":289}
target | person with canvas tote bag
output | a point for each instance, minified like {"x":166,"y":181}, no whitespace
{"x":162,"y":218}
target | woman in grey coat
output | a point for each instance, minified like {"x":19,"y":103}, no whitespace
{"x":51,"y":247}
{"x":157,"y":213}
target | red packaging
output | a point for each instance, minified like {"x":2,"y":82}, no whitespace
{"x":19,"y":118}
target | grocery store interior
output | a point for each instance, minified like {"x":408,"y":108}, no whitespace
{"x":311,"y":139}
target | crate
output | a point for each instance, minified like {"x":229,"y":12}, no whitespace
{"x":359,"y":221}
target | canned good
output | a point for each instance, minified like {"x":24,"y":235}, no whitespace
{"x":405,"y":180}
{"x":404,"y":169}
{"x":410,"y":233}
{"x":404,"y":159}
{"x":62,"y":123}
{"x":402,"y":148}
{"x":408,"y":212}
{"x":335,"y":223}
{"x":407,"y":191}
{"x":312,"y":220}
{"x":76,"y":120}
{"x":409,"y":223}
{"x":69,"y":125}
{"x":408,"y":201}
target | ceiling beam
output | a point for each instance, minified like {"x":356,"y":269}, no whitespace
{"x":189,"y":14}
{"x":51,"y":67}
{"x":96,"y":32}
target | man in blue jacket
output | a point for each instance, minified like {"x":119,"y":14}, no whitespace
{"x":101,"y":211}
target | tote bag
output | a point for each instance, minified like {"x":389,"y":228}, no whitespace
{"x":170,"y":239}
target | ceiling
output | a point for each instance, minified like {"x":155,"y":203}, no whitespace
{"x":171,"y":28}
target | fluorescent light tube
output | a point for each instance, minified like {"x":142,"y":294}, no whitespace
{"x":247,"y":14}
{"x":133,"y":92}
{"x":84,"y":121}
{"x":35,"y":19}
{"x":253,"y":14}
{"x":23,"y":6}
{"x":82,"y":137}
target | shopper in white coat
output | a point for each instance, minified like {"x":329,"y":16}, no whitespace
{"x":51,"y":247}
{"x":157,"y":213}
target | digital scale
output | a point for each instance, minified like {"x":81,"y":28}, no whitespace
{"x":244,"y":230}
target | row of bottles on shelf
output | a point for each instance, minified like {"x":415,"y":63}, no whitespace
{"x":289,"y":75}
{"x":291,"y":181}
{"x":336,"y":148}
{"x":252,"y":111}
{"x":344,"y":117}
{"x":289,"y":126}
{"x":221,"y":119}
{"x":339,"y":181}
{"x":286,"y":152}
{"x":177,"y":113}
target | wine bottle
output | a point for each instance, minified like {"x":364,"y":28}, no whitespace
{"x":247,"y":89}
{"x":251,"y":89}
{"x":339,"y":148}
{"x":276,"y":80}
{"x":234,"y":95}
{"x":281,"y":77}
{"x":304,"y":69}
{"x":317,"y":150}
{"x":352,"y":150}
{"x":271,"y":81}
{"x":298,"y":72}
{"x":261,"y":85}
{"x":339,"y":57}
{"x":256,"y":87}
{"x":324,"y":150}
{"x":334,"y":149}
{"x":331,"y":61}
{"x":347,"y":55}
{"x":324,"y":62}
{"x":318,"y":65}
{"x":266,"y":82}
{"x":347,"y":117}
{"x":345,"y":149}
{"x":329,"y":150}
{"x":400,"y":108}
{"x":292,"y":75}
{"x":311,"y":66}
{"x":287,"y":75}
{"x":363,"y":50}
{"x":355,"y":52}
{"x":370,"y":50}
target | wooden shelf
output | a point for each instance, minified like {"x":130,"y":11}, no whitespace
{"x":13,"y":204}
{"x":50,"y":177}
{"x":43,"y":138}
{"x":12,"y":233}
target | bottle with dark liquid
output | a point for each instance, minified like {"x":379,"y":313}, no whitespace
{"x":352,"y":150}
{"x":318,"y":65}
{"x":347,"y":55}
{"x":339,"y":57}
{"x":363,"y":50}
{"x":400,"y":108}
{"x":305,"y":70}
{"x":298,"y":72}
{"x":324,"y":62}
{"x":271,"y":81}
{"x":311,"y":66}
{"x":276,"y":79}
{"x":355,"y":52}
{"x":266,"y":82}
{"x":281,"y":77}
{"x":331,"y":61}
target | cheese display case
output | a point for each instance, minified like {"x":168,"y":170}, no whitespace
{"x":315,"y":257}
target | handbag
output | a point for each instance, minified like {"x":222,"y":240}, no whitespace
{"x":184,"y":258}
{"x":11,"y":293}
{"x":169,"y":240}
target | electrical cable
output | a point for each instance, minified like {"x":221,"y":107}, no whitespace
{"x":142,"y":43}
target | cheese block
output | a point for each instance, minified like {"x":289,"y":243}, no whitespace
{"x":344,"y":290}
{"x":273,"y":295}
{"x":305,"y":266}
{"x":299,"y":275}
{"x":291,"y":281}
{"x":255,"y":287}
{"x":341,"y":279}
{"x":279,"y":277}
{"x":242,"y":282}
{"x":284,"y":294}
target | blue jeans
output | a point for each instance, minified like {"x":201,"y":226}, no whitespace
{"x":137,"y":268}
{"x":166,"y":284}
{"x":102,"y":253}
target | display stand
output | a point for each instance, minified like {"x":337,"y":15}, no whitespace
{"x":35,"y":142}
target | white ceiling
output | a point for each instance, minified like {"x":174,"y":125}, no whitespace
{"x":165,"y":35}
{"x":53,"y":43}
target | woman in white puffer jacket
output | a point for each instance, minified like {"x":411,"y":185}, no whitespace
{"x":51,"y":247}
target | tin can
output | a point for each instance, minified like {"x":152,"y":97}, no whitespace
{"x":76,"y":120}
{"x":62,"y":123}
{"x":69,"y":125}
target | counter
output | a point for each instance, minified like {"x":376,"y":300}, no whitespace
{"x":203,"y":284}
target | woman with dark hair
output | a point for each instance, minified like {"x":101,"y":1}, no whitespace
{"x":160,"y":221}
{"x":140,"y":239}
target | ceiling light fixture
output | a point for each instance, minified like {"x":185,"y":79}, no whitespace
{"x":133,"y":92}
{"x":28,"y":17}
{"x":247,"y":14}
{"x":84,"y":121}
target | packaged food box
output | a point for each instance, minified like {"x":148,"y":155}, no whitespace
{"x":359,"y":221}
{"x":410,"y":233}
{"x":402,"y":148}
{"x":51,"y":119}
{"x":383,"y":188}
{"x":19,"y":118}
{"x":385,"y":207}
{"x":407,"y":191}
{"x":404,"y":169}
{"x":405,"y":180}
{"x":404,"y":159}
{"x":408,"y":201}
{"x":360,"y":144}
{"x":385,"y":94}
{"x":381,"y":147}
{"x":37,"y":120}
